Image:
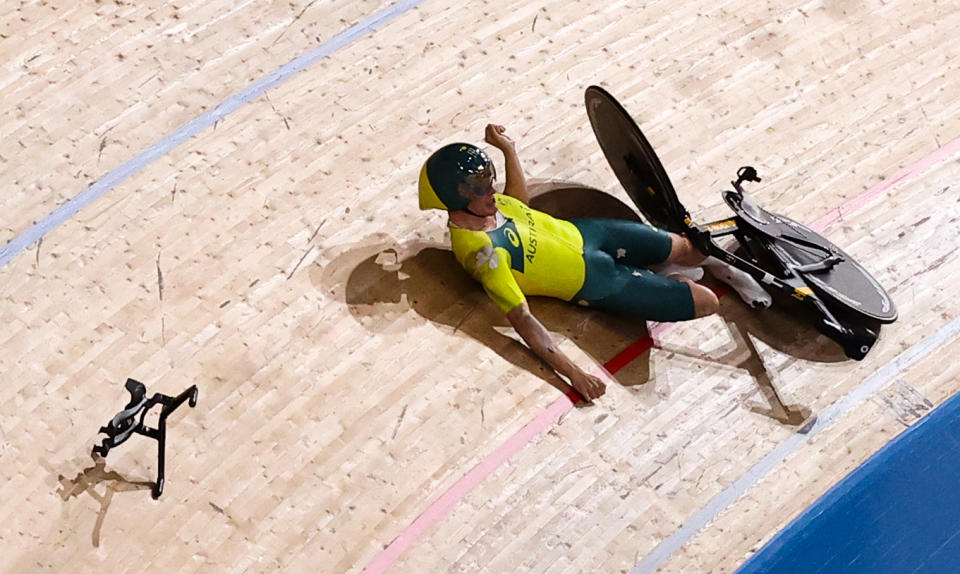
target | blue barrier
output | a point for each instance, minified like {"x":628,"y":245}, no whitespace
{"x":899,"y":512}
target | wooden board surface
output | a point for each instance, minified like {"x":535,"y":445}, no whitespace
{"x":349,"y":373}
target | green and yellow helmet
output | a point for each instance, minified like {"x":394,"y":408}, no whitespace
{"x":446,"y":170}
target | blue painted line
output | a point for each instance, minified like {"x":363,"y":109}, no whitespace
{"x":872,"y":384}
{"x":20,"y":243}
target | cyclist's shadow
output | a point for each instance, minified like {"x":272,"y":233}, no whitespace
{"x":380,"y":279}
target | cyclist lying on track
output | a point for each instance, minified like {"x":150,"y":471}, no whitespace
{"x":621,"y":266}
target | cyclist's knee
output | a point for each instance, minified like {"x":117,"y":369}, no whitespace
{"x":705,"y":301}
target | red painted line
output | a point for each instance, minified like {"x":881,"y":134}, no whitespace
{"x":440,"y":507}
{"x":626,"y":356}
{"x":720,"y":290}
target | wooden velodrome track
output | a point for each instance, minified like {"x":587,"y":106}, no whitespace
{"x":361,"y":402}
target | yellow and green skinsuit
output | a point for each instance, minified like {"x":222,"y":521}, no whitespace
{"x":594,"y":262}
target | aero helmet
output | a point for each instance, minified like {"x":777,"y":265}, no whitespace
{"x":445,"y":170}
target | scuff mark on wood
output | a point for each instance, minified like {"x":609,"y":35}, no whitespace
{"x":469,"y":312}
{"x":307,"y":252}
{"x":294,"y":21}
{"x":159,"y":278}
{"x":147,"y":80}
{"x":576,"y":470}
{"x":297,"y":266}
{"x":276,"y":111}
{"x":396,"y":428}
{"x":316,"y":231}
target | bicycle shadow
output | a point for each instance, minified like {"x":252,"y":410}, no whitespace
{"x":380,"y":279}
{"x":90,"y":477}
